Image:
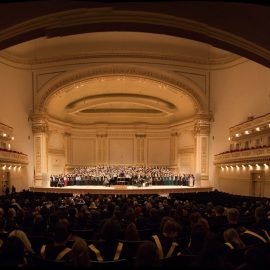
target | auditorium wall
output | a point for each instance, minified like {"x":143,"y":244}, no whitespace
{"x":89,"y":147}
{"x":236,"y":93}
{"x":16,"y":102}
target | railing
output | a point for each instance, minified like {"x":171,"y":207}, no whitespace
{"x":13,"y":156}
{"x":243,"y":155}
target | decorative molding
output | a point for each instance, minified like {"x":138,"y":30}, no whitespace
{"x":139,"y":135}
{"x":6,"y":129}
{"x":202,"y":124}
{"x":251,"y":155}
{"x":39,"y":123}
{"x":89,"y":56}
{"x":87,"y":16}
{"x":179,"y":82}
{"x":263,"y":122}
{"x":187,"y":150}
{"x":56,"y":151}
{"x":37,"y":148}
{"x":14,"y":158}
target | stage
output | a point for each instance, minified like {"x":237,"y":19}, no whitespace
{"x":121,"y":189}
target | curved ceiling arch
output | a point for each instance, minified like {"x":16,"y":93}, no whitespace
{"x":106,"y":18}
{"x":144,"y":92}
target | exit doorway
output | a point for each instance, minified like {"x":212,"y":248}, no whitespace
{"x":257,"y":184}
{"x":4,"y":179}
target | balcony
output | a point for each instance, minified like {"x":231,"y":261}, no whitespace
{"x":259,"y":154}
{"x":13,"y":157}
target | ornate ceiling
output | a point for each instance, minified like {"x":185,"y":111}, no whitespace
{"x":82,"y":32}
{"x":119,"y":98}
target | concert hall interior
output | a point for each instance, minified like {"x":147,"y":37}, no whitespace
{"x":135,"y":134}
{"x":173,"y":86}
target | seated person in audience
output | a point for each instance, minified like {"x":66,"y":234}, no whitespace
{"x":255,"y":257}
{"x":262,"y":222}
{"x":58,"y":250}
{"x":218,"y":220}
{"x":12,"y":253}
{"x":110,"y":249}
{"x":254,"y":236}
{"x":232,"y":222}
{"x":232,"y":239}
{"x":212,"y":255}
{"x":147,"y":255}
{"x":165,"y":242}
{"x":131,"y":233}
{"x":199,"y":232}
{"x":80,"y":253}
{"x":23,"y":237}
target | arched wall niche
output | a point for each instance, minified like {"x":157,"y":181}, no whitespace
{"x":136,"y":144}
{"x":178,"y":81}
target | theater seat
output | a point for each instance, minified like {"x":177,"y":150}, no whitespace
{"x":120,"y":264}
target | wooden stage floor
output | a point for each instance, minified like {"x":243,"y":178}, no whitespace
{"x":121,"y":189}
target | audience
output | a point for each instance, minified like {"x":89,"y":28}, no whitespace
{"x":177,"y":225}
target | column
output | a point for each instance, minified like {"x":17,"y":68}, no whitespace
{"x":173,"y":148}
{"x":101,"y":149}
{"x":68,"y":149}
{"x":201,"y":131}
{"x":40,"y":129}
{"x":140,"y":147}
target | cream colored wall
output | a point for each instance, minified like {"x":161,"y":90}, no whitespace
{"x":158,"y":151}
{"x":15,"y":106}
{"x":118,"y":146}
{"x":83,"y":151}
{"x":121,"y":151}
{"x":235,"y":94}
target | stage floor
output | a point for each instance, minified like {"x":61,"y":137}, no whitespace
{"x":121,"y":189}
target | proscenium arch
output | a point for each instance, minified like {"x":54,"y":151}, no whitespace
{"x":105,"y":17}
{"x":177,"y":81}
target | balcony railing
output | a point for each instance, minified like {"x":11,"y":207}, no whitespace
{"x":259,"y":153}
{"x":7,"y":156}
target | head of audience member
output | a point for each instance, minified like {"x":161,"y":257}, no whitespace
{"x":80,"y":255}
{"x":111,"y":230}
{"x":147,"y":255}
{"x":2,"y":212}
{"x":260,"y":213}
{"x":219,"y":210}
{"x":23,"y":237}
{"x":131,"y":233}
{"x":61,"y":232}
{"x":12,"y":254}
{"x":171,"y":229}
{"x":39,"y":224}
{"x":153,"y":215}
{"x":232,"y":236}
{"x":163,"y":221}
{"x":130,"y":215}
{"x":194,"y":218}
{"x":212,"y":255}
{"x":199,"y":232}
{"x":233,"y":216}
